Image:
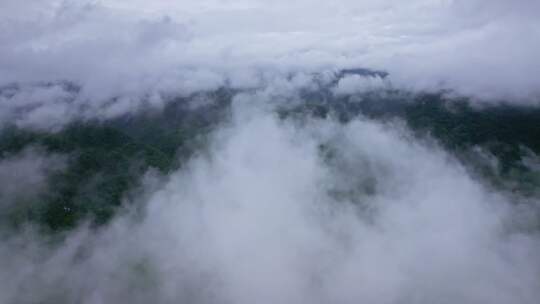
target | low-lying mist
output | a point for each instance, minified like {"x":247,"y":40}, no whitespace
{"x":277,"y":209}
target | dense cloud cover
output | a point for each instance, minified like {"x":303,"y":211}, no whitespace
{"x":267,"y":216}
{"x":151,"y":50}
{"x":250,"y":151}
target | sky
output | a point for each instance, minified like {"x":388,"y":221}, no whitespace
{"x":135,"y":50}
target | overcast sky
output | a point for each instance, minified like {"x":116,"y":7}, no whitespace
{"x":144,"y":50}
{"x":474,"y":45}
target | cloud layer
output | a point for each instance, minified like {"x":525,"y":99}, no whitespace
{"x":140,"y":50}
{"x":273,"y":210}
{"x":267,"y":215}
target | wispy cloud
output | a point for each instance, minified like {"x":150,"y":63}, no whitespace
{"x":266,"y":216}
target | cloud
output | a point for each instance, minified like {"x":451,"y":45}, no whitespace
{"x":115,"y":49}
{"x":274,"y":210}
{"x":38,"y":107}
{"x":354,"y":84}
{"x":266,"y":215}
{"x":23,"y":176}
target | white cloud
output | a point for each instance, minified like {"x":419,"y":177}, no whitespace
{"x":116,"y":48}
{"x":263,"y":217}
{"x":23,"y":176}
{"x":354,"y":84}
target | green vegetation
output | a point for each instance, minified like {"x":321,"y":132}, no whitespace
{"x":106,"y":160}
